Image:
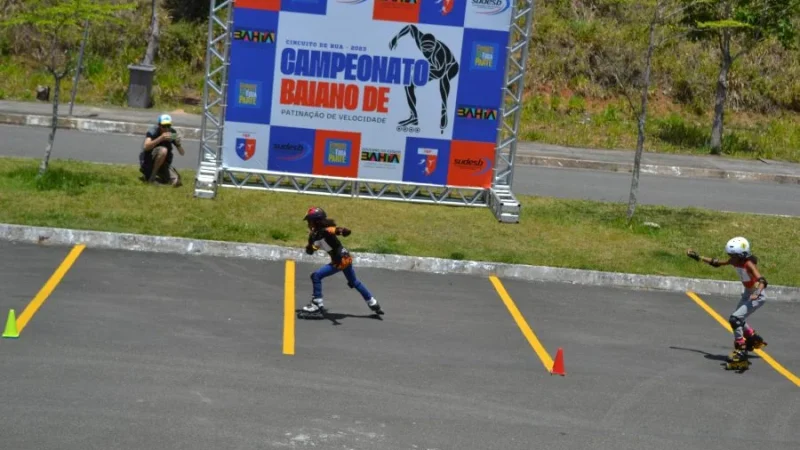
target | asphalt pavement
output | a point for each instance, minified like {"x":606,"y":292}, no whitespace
{"x":723,"y":195}
{"x":135,"y":350}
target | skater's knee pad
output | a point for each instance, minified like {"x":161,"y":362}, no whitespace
{"x":735,"y":322}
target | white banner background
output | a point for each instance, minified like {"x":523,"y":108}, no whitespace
{"x":374,"y":37}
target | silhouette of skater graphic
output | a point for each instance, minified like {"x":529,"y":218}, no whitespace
{"x":443,"y":67}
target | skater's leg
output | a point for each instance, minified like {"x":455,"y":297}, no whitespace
{"x":316,"y":281}
{"x":738,"y":319}
{"x":354,"y":283}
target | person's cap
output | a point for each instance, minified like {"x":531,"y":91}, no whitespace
{"x":164,"y":119}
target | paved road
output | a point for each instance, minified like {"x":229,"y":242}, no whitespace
{"x":722,"y":195}
{"x":136,"y":350}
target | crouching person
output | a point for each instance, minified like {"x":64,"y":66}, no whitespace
{"x":155,"y":159}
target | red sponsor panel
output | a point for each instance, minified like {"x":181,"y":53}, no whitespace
{"x":471,"y":164}
{"x":397,"y":10}
{"x":336,"y":153}
{"x":266,"y":5}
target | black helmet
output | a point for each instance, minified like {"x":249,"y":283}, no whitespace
{"x":315,"y":213}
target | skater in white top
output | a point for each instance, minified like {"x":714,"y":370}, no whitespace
{"x":744,"y":336}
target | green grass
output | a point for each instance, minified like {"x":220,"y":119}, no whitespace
{"x":560,"y":233}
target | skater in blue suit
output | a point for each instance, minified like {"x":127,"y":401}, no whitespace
{"x":324,"y":234}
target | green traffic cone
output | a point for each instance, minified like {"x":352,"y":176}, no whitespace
{"x":11,"y":326}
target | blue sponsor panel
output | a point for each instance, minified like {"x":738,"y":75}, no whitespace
{"x":305,"y":6}
{"x":443,"y":12}
{"x":480,"y":85}
{"x":291,"y":150}
{"x":426,"y":161}
{"x":251,"y":73}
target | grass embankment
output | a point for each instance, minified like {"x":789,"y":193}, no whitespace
{"x":577,"y":122}
{"x":575,"y":234}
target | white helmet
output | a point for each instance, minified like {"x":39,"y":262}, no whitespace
{"x":738,"y":246}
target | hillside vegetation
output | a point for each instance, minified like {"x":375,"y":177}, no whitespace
{"x":585,"y":56}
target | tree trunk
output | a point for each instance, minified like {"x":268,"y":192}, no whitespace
{"x":722,"y":92}
{"x":152,"y":40}
{"x":46,"y":160}
{"x":637,"y":160}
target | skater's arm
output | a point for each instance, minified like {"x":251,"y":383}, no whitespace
{"x":714,"y":262}
{"x":310,"y":247}
{"x":762,"y":282}
{"x":407,"y":29}
{"x":342,"y":231}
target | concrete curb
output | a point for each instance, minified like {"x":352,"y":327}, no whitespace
{"x":131,"y":128}
{"x":652,"y":169}
{"x":161,"y":244}
{"x":93,"y":125}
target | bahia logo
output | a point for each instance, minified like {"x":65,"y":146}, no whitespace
{"x":491,"y":7}
{"x":481,"y":166}
{"x":292,"y":152}
{"x":375,"y":155}
{"x":256,"y":36}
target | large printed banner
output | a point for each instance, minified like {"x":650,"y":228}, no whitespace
{"x":382,"y":90}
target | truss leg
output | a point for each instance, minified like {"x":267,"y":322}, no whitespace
{"x":501,"y":199}
{"x":215,"y":90}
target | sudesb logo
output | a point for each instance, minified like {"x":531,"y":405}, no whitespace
{"x":292,"y":152}
{"x":492,"y":7}
{"x":482,"y":165}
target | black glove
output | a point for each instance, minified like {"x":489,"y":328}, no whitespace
{"x":346,"y":232}
{"x":310,"y":249}
{"x":693,"y":254}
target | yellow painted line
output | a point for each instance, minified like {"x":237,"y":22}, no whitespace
{"x":288,"y":309}
{"x":48,"y":287}
{"x":710,"y":311}
{"x":768,"y":359}
{"x":522,"y":324}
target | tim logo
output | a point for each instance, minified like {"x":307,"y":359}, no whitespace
{"x":292,"y":152}
{"x":478,"y":166}
{"x":380,"y":157}
{"x":447,"y":6}
{"x":491,"y":7}
{"x":484,"y":56}
{"x":476,"y":112}
{"x":428,"y":160}
{"x":245,"y":147}
{"x":257,"y":36}
{"x":247,"y":95}
{"x":337,"y":152}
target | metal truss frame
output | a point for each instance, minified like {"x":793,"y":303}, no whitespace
{"x":215,"y":94}
{"x":499,"y":197}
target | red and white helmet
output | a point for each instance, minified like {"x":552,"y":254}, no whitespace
{"x":315,"y":213}
{"x":738,"y":246}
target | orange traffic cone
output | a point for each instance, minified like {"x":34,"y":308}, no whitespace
{"x":558,"y":365}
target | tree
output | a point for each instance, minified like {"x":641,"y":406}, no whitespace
{"x":53,"y":30}
{"x":633,"y":74}
{"x":737,"y":27}
{"x":153,"y":37}
{"x":664,"y":14}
